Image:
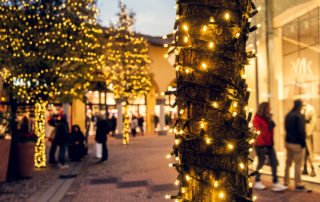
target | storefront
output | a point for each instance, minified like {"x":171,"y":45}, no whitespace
{"x":287,"y":66}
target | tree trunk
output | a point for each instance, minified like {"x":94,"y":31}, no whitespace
{"x":212,"y":134}
{"x":40,"y":122}
{"x":126,"y":126}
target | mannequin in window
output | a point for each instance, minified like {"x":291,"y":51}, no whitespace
{"x":311,"y":118}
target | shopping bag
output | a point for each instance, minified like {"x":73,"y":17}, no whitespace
{"x":97,"y":150}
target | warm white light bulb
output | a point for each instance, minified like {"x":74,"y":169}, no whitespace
{"x":254,"y":198}
{"x":177,"y":141}
{"x":234,"y":114}
{"x":241,"y":165}
{"x":227,"y":16}
{"x":211,"y":45}
{"x":235,"y":104}
{"x":202,"y":125}
{"x":230,"y":146}
{"x":187,"y":71}
{"x":221,"y":195}
{"x":215,"y":104}
{"x":185,"y":27}
{"x":185,"y":39}
{"x":188,"y":178}
{"x":204,"y":65}
{"x":166,"y":56}
{"x":167,"y":196}
{"x":204,"y":28}
{"x":250,"y":184}
{"x":216,"y":184}
{"x":208,"y":141}
{"x":168,"y":156}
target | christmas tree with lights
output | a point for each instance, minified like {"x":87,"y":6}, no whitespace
{"x":51,"y":50}
{"x":212,"y":134}
{"x":127,"y":63}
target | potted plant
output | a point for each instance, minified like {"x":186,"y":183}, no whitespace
{"x":5,"y":143}
{"x":26,"y":143}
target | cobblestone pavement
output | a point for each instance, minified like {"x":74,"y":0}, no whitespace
{"x":135,"y":173}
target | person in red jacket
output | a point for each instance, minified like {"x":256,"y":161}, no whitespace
{"x":264,"y":145}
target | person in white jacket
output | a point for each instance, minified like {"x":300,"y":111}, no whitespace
{"x":311,"y":118}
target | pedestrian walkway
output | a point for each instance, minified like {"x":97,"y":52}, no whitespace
{"x":134,"y":173}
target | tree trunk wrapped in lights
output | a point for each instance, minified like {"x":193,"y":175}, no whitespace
{"x":40,"y":123}
{"x":127,"y":63}
{"x":212,"y":137}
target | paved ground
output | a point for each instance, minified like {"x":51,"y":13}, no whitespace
{"x":135,"y":173}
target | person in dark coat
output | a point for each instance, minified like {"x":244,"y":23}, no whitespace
{"x":76,"y":148}
{"x":102,"y":131}
{"x":54,"y":145}
{"x":62,"y":139}
{"x":140,"y":124}
{"x":295,"y":144}
{"x":113,"y":125}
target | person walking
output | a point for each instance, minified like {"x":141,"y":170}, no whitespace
{"x":62,"y":139}
{"x":134,"y":125}
{"x":113,"y":125}
{"x":102,"y":131}
{"x":264,"y":145}
{"x":295,"y":144}
{"x":140,"y":124}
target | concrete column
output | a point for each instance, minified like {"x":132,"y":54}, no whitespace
{"x":151,"y":104}
{"x":79,"y":114}
{"x":119,"y":118}
{"x":161,"y":102}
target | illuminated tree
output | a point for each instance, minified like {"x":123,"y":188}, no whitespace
{"x":127,"y":63}
{"x":51,"y":50}
{"x":212,"y":136}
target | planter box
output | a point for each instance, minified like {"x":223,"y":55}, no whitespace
{"x":25,"y":157}
{"x":4,"y":152}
